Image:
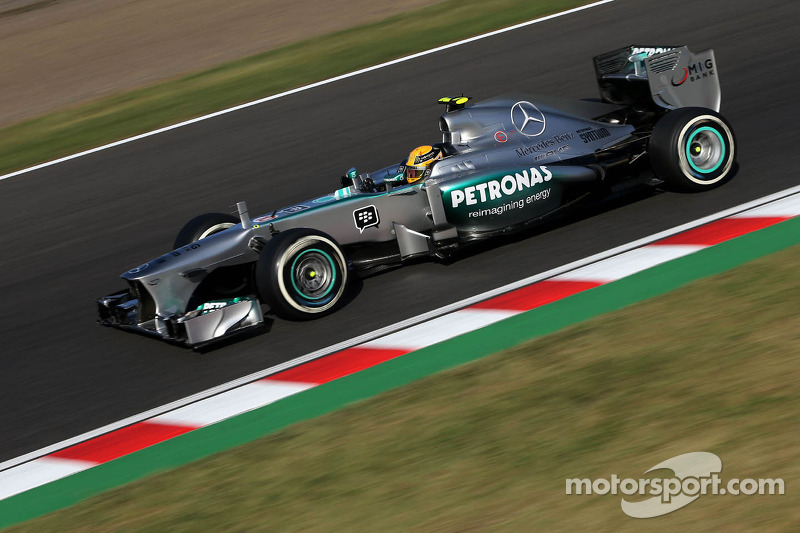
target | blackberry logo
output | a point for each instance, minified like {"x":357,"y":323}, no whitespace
{"x":366,"y":217}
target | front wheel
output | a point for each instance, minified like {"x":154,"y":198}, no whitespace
{"x":693,"y":149}
{"x":224,"y":282}
{"x":202,"y":226}
{"x":301,"y":274}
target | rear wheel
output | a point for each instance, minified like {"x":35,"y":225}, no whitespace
{"x":301,"y":274}
{"x":693,"y":149}
{"x":202,"y":226}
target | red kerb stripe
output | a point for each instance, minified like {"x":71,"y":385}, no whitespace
{"x":121,"y":442}
{"x":721,"y":230}
{"x":337,"y":365}
{"x":536,"y":295}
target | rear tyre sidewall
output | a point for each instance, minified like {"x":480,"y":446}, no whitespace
{"x":202,"y":226}
{"x":672,"y":149}
{"x":282,"y":274}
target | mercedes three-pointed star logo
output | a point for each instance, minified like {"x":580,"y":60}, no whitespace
{"x":527,"y":118}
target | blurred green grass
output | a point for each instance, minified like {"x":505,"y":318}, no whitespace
{"x":117,"y":117}
{"x":712,"y":366}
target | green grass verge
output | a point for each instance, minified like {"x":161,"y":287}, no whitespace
{"x":488,"y":445}
{"x":86,"y":126}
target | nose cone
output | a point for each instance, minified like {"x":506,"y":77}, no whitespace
{"x":212,"y":250}
{"x":181,"y":258}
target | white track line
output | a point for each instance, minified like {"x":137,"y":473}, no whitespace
{"x":782,"y":208}
{"x":425,"y":317}
{"x":303,"y":88}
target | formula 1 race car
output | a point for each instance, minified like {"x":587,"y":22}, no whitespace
{"x":502,"y":165}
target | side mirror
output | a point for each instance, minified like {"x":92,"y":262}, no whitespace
{"x":349,"y":176}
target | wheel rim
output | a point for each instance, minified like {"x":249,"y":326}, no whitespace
{"x":313,"y":275}
{"x":317,"y":293}
{"x":705,"y":150}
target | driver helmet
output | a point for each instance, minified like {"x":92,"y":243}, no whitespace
{"x":419,"y":160}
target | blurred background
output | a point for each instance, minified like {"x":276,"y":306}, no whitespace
{"x":56,"y":53}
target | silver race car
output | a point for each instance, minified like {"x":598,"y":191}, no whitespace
{"x":503,"y":164}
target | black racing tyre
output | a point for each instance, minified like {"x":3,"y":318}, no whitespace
{"x":693,"y":149}
{"x":202,"y":226}
{"x":301,"y":274}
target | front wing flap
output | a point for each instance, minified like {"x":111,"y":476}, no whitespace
{"x":209,"y":323}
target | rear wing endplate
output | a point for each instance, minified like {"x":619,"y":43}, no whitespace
{"x":679,"y":78}
{"x":667,"y":76}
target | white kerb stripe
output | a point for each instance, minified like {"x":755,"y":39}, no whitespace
{"x":786,"y":207}
{"x":628,"y":263}
{"x":231,"y":403}
{"x":38,"y":472}
{"x":440,"y":329}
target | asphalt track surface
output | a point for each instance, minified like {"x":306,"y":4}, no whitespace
{"x":69,"y":230}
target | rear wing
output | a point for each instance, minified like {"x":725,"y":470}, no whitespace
{"x":667,"y":76}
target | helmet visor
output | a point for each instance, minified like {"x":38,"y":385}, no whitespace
{"x":414,"y":173}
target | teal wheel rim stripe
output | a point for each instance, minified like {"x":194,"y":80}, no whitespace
{"x":689,"y":155}
{"x":333,"y":274}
